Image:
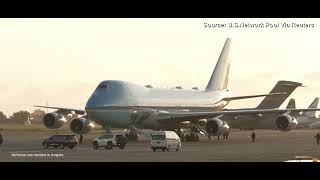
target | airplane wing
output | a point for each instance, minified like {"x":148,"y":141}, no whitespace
{"x":64,"y":110}
{"x":251,"y":96}
{"x":165,"y":116}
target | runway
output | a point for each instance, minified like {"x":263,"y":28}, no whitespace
{"x":270,"y":146}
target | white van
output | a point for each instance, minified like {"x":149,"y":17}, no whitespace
{"x":165,"y":140}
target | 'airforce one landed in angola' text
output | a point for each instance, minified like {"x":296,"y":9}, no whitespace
{"x":121,"y":104}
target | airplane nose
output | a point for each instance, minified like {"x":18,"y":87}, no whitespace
{"x":95,"y":100}
{"x":101,"y":98}
{"x":108,"y":93}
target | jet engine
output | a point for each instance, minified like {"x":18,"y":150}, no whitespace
{"x":286,"y":122}
{"x":53,"y":120}
{"x":81,"y":125}
{"x":216,"y":127}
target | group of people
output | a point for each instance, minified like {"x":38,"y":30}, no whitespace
{"x":253,"y":136}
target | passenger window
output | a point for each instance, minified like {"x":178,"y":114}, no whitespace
{"x":104,"y":86}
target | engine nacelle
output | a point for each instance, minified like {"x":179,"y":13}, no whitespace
{"x":216,"y":127}
{"x":81,"y":125}
{"x":285,"y":122}
{"x":53,"y":120}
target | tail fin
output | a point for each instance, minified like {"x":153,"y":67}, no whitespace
{"x":275,"y":101}
{"x":291,"y":104}
{"x":314,"y":104}
{"x":219,"y":77}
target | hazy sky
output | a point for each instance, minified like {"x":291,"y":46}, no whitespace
{"x":61,"y":61}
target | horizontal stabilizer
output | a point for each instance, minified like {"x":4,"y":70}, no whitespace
{"x":276,"y":101}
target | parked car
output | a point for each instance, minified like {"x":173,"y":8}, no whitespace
{"x":165,"y":140}
{"x":109,"y":141}
{"x":61,"y":141}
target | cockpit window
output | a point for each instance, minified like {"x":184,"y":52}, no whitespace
{"x":104,"y":86}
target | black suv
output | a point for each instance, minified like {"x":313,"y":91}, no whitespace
{"x":61,"y":141}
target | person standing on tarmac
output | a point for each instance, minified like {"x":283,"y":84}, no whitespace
{"x":253,"y":136}
{"x":227,"y":134}
{"x":317,"y":136}
{"x":81,"y":138}
{"x":1,"y":139}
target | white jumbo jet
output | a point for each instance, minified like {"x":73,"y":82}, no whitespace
{"x":121,"y":104}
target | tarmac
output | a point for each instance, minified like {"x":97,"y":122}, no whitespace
{"x":270,"y":146}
